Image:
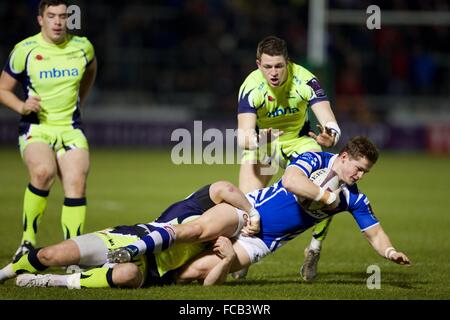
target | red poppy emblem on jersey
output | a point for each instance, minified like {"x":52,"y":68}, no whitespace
{"x":271,"y":98}
{"x":39,"y":57}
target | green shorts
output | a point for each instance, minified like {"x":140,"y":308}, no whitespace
{"x":59,"y":138}
{"x":280,"y":152}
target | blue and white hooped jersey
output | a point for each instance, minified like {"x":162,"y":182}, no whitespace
{"x":282,"y":217}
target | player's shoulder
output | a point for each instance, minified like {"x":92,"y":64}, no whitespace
{"x":311,"y":161}
{"x":352,"y":189}
{"x":354,"y":195}
{"x":27,"y":44}
{"x":79,"y":41}
{"x":254,"y":80}
{"x":314,"y":155}
{"x":300,"y":73}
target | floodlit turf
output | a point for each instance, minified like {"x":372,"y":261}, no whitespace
{"x":409,"y":194}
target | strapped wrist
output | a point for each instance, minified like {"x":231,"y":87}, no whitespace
{"x":333,"y":126}
{"x":253,"y":214}
{"x":253,"y":143}
{"x":325,"y":197}
{"x":331,"y":198}
{"x":389,"y":252}
{"x":319,"y":196}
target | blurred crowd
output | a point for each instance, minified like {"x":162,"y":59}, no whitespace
{"x":177,"y":52}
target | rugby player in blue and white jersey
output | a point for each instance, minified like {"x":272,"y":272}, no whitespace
{"x":282,"y":217}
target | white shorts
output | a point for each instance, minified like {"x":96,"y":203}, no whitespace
{"x":255,"y":247}
{"x":93,"y":250}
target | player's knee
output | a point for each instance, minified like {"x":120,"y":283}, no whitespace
{"x":77,"y":182}
{"x":189,"y":232}
{"x":48,"y":256}
{"x":42,"y":177}
{"x":218,"y":188}
{"x":74,"y":186}
{"x":127,"y":275}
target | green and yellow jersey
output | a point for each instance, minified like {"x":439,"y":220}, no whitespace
{"x":53,"y":72}
{"x":284,"y":107}
{"x":177,"y":256}
{"x":179,"y":253}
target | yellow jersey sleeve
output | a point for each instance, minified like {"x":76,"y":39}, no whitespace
{"x":17,"y":60}
{"x":86,"y":47}
{"x":250,"y":93}
{"x":312,"y":92}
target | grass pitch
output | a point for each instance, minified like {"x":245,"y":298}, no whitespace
{"x":409,"y":194}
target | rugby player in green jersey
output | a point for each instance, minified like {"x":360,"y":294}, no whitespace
{"x":56,"y":71}
{"x":275,"y":99}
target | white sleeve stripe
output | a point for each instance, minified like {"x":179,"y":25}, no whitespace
{"x":305,"y":171}
{"x":359,"y":197}
{"x":258,"y":204}
{"x":347,"y":196}
{"x":371,"y":226}
{"x":11,"y":61}
{"x":305,"y":165}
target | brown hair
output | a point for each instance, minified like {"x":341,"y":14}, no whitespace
{"x":50,"y":3}
{"x":359,"y":147}
{"x":272,"y":46}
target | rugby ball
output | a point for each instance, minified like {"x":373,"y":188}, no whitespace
{"x":324,"y":178}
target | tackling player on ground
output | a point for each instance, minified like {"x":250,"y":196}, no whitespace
{"x":91,"y":250}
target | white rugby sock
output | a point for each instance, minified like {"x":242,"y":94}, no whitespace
{"x":73,"y":281}
{"x":7,"y":272}
{"x":57,"y":280}
{"x":315,"y":244}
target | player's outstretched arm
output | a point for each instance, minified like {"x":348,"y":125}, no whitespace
{"x":382,"y":244}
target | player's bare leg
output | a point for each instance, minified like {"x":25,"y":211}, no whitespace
{"x":40,"y":161}
{"x":74,"y":168}
{"x":61,"y":254}
{"x":252,"y":177}
{"x":220,"y":220}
